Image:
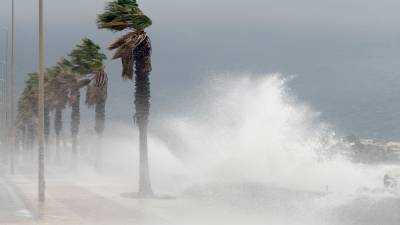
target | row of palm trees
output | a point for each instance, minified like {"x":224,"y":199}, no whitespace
{"x":65,"y":80}
{"x":63,"y":83}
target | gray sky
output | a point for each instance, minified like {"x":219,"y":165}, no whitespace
{"x":345,"y":53}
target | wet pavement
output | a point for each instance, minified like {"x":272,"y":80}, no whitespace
{"x":12,"y":206}
{"x":73,"y":200}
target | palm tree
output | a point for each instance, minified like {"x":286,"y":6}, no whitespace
{"x":48,"y":89}
{"x":62,"y":83}
{"x":75,"y":117}
{"x":48,"y":93}
{"x":85,"y":59}
{"x":58,"y":97}
{"x":96,"y":96}
{"x":134,"y":48}
{"x":27,"y":114}
{"x":22,"y":120}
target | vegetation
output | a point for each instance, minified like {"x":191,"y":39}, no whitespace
{"x":96,"y":96}
{"x":123,"y":14}
{"x":27,"y":111}
{"x":84,"y":67}
{"x":59,"y":97}
{"x":63,"y":83}
{"x":86,"y":58}
{"x":134,"y":49}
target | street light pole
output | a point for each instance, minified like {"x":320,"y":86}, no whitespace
{"x":4,"y":76}
{"x":41,"y":175}
{"x":12,"y":92}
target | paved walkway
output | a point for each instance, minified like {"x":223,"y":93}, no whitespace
{"x":91,"y":200}
{"x":70,"y":203}
{"x":12,"y":207}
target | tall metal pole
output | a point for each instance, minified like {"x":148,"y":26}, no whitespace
{"x":41,"y":180}
{"x":12,"y":91}
{"x":5,"y":93}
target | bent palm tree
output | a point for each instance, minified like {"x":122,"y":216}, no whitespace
{"x":85,"y":59}
{"x":134,"y":48}
{"x":27,"y":110}
{"x":58,"y":86}
{"x":96,"y":96}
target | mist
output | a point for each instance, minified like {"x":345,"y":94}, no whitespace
{"x":260,"y":112}
{"x":246,"y":151}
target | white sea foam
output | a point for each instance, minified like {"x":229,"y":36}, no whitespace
{"x":246,"y":130}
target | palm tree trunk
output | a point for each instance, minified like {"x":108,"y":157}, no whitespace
{"x":30,"y":139}
{"x":100,"y":110}
{"x":142,"y":105}
{"x":57,"y":129}
{"x":23,"y":138}
{"x":75,"y":121}
{"x":25,"y":144}
{"x":46,"y":125}
{"x":18,"y":141}
{"x":46,"y":133}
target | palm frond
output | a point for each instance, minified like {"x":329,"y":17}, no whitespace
{"x":130,"y":44}
{"x":122,"y":14}
{"x":96,"y":92}
{"x":121,"y":40}
{"x":86,"y":57}
{"x":114,"y":25}
{"x":127,"y":65}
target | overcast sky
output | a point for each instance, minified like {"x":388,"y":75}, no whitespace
{"x":345,"y":53}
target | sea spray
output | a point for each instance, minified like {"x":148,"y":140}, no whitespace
{"x":247,"y":152}
{"x":243,"y":129}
